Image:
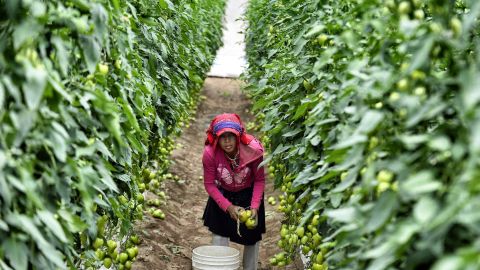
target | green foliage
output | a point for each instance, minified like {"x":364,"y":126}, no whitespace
{"x":372,"y":118}
{"x":91,"y":91}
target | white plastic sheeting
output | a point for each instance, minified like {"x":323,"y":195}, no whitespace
{"x":230,"y":60}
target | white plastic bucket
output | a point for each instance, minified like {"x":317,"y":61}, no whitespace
{"x":215,"y":258}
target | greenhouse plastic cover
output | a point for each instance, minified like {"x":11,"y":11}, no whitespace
{"x":230,"y":60}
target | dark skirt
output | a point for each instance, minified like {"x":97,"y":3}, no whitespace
{"x":220,"y":222}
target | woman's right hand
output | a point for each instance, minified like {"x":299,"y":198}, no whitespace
{"x":233,"y":211}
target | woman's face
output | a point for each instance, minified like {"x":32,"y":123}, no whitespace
{"x":228,"y":142}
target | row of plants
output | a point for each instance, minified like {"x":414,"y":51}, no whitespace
{"x":370,"y":111}
{"x":92,"y":94}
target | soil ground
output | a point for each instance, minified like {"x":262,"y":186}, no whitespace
{"x":168,"y":244}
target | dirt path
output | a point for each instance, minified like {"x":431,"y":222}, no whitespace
{"x":168,"y":244}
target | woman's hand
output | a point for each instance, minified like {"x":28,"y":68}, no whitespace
{"x":254,"y":213}
{"x":233,"y":211}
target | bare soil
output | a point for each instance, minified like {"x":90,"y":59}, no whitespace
{"x":168,"y":244}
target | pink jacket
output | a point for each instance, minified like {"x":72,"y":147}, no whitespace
{"x":217,"y":172}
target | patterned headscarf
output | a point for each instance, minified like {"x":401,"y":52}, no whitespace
{"x":227,"y":122}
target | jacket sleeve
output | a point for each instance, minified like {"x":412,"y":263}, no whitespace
{"x":209,"y":181}
{"x":258,"y":183}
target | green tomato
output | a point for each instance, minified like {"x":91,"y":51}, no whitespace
{"x":135,"y":239}
{"x":319,"y":258}
{"x":114,"y":254}
{"x":158,"y":214}
{"x":291,"y":198}
{"x":435,"y":27}
{"x":123,"y":200}
{"x":394,"y":96}
{"x":390,"y":4}
{"x":280,"y":256}
{"x":304,"y":240}
{"x":384,"y":176}
{"x":419,"y":14}
{"x":300,"y":231}
{"x":281,"y":243}
{"x":402,"y":85}
{"x":103,"y":69}
{"x":322,"y":38}
{"x":404,"y":8}
{"x":122,"y":257}
{"x":81,"y":25}
{"x":107,"y":262}
{"x":373,"y":142}
{"x":316,"y":239}
{"x":100,"y":254}
{"x":417,"y":3}
{"x":456,"y":26}
{"x":418,"y":75}
{"x":98,"y":243}
{"x":251,"y":223}
{"x":382,"y":186}
{"x":118,"y":64}
{"x":244,"y":215}
{"x":315,"y":221}
{"x":131,"y":253}
{"x":112,"y":245}
{"x":420,"y":91}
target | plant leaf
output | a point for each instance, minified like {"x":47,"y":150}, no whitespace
{"x":382,"y":211}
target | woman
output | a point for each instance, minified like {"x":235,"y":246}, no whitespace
{"x":234,"y":182}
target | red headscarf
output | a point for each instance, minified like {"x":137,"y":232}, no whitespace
{"x":227,"y":122}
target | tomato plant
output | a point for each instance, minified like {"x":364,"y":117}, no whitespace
{"x":371,"y":116}
{"x":92,"y":94}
